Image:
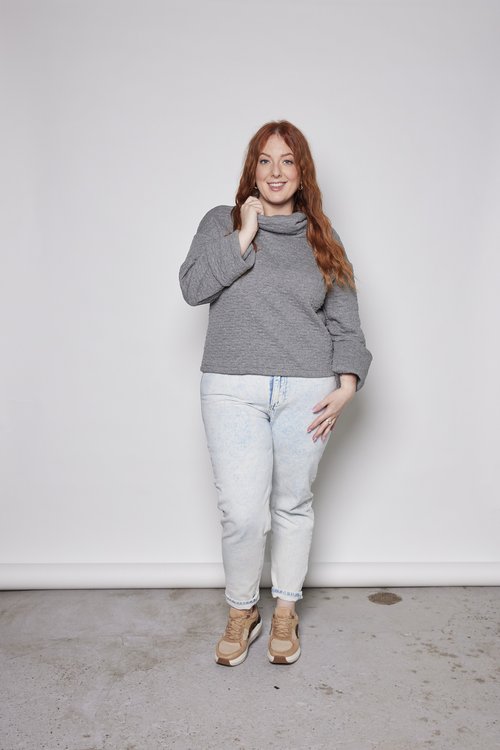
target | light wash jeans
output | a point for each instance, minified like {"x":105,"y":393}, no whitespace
{"x":264,"y":463}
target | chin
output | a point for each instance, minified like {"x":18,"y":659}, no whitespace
{"x":280,"y":197}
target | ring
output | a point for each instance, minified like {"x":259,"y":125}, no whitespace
{"x":329,"y":420}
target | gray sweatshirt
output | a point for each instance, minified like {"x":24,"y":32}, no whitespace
{"x":269,"y":311}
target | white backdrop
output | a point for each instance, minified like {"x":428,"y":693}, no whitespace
{"x":122,"y":124}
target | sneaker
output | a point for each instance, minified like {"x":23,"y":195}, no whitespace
{"x":243,"y":627}
{"x":284,"y":647}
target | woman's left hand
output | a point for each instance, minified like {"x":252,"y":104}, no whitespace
{"x":332,"y":405}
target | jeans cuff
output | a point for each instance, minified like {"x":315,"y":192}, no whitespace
{"x":289,"y":596}
{"x":242,"y":603}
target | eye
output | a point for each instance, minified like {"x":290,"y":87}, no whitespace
{"x":289,"y":161}
{"x":261,"y":160}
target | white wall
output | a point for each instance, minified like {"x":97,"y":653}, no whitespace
{"x":122,"y":124}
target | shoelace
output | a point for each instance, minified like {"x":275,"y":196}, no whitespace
{"x":234,"y":628}
{"x":283,"y":627}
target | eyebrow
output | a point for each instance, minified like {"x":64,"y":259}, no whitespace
{"x":262,"y":153}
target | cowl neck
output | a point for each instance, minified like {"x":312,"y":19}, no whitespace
{"x":294,"y":224}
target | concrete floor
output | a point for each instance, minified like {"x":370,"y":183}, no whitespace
{"x":134,"y":670}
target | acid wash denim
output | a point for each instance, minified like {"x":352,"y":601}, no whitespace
{"x":264,"y":463}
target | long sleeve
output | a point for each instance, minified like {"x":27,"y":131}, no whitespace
{"x":213,"y":262}
{"x":350,"y":353}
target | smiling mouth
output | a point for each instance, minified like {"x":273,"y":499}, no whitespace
{"x":276,"y":185}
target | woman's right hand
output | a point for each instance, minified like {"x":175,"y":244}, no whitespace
{"x":249,"y":223}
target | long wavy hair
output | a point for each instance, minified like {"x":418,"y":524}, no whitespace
{"x":330,"y":255}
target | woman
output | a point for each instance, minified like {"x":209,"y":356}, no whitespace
{"x":284,"y":353}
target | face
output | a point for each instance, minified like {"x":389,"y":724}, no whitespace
{"x":276,"y":177}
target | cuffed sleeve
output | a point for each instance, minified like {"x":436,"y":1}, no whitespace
{"x":341,"y":311}
{"x":350,"y":353}
{"x":213,"y":262}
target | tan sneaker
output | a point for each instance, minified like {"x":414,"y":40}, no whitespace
{"x":243,"y":627}
{"x":284,"y":646}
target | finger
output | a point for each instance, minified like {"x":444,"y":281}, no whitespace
{"x":332,"y":425}
{"x":317,"y":434}
{"x":319,"y":405}
{"x":325,"y":429}
{"x":323,"y":426}
{"x":319,"y":421}
{"x":327,"y":432}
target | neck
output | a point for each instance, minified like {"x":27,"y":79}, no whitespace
{"x":271,"y":209}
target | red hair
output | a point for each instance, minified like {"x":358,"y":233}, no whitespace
{"x":330,"y":255}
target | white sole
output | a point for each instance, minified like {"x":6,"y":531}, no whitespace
{"x":289,"y":659}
